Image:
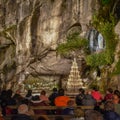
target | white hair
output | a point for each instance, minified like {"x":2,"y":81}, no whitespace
{"x":23,"y":109}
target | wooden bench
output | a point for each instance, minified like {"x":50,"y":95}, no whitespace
{"x":53,"y":107}
{"x":51,"y":117}
{"x":49,"y":108}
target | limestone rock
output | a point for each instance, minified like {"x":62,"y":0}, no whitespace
{"x":35,"y":28}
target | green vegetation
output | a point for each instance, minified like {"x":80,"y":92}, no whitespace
{"x":95,"y":60}
{"x":104,"y":21}
{"x":106,"y":27}
{"x":105,"y":24}
{"x":74,"y":42}
{"x":117,"y":68}
{"x":104,"y":2}
{"x":36,"y":83}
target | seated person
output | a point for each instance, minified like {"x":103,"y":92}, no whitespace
{"x":116,"y":97}
{"x":61,"y":99}
{"x":69,"y":110}
{"x":88,"y":99}
{"x":78,"y":114}
{"x":52,"y":96}
{"x":37,"y":102}
{"x":23,"y":113}
{"x":109,"y":113}
{"x":109,"y":95}
{"x":43,"y":96}
{"x":80,"y":96}
{"x":93,"y":115}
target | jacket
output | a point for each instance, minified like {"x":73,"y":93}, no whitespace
{"x":111,"y":115}
{"x":21,"y":117}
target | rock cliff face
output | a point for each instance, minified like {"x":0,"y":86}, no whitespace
{"x":30,"y":31}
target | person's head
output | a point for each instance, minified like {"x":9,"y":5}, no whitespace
{"x":78,"y":112}
{"x":88,"y":92}
{"x":22,"y":109}
{"x":70,"y":103}
{"x":43,"y":92}
{"x":117,"y":92}
{"x":59,"y":118}
{"x":29,"y":92}
{"x":109,"y":90}
{"x":95,"y":88}
{"x":61,"y":92}
{"x":109,"y":106}
{"x":93,"y":115}
{"x":42,"y":117}
{"x":116,"y":99}
{"x":81,"y":90}
{"x":54,"y":90}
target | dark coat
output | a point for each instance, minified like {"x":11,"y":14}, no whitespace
{"x":111,"y":115}
{"x":52,"y":98}
{"x":108,"y":97}
{"x":68,"y":111}
{"x":79,"y":99}
{"x":21,"y":117}
{"x":88,"y":100}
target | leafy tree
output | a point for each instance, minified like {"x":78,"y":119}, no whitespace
{"x":73,"y":43}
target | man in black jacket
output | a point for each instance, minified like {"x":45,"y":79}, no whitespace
{"x":80,"y":96}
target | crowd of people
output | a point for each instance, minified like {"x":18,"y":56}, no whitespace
{"x":105,"y":107}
